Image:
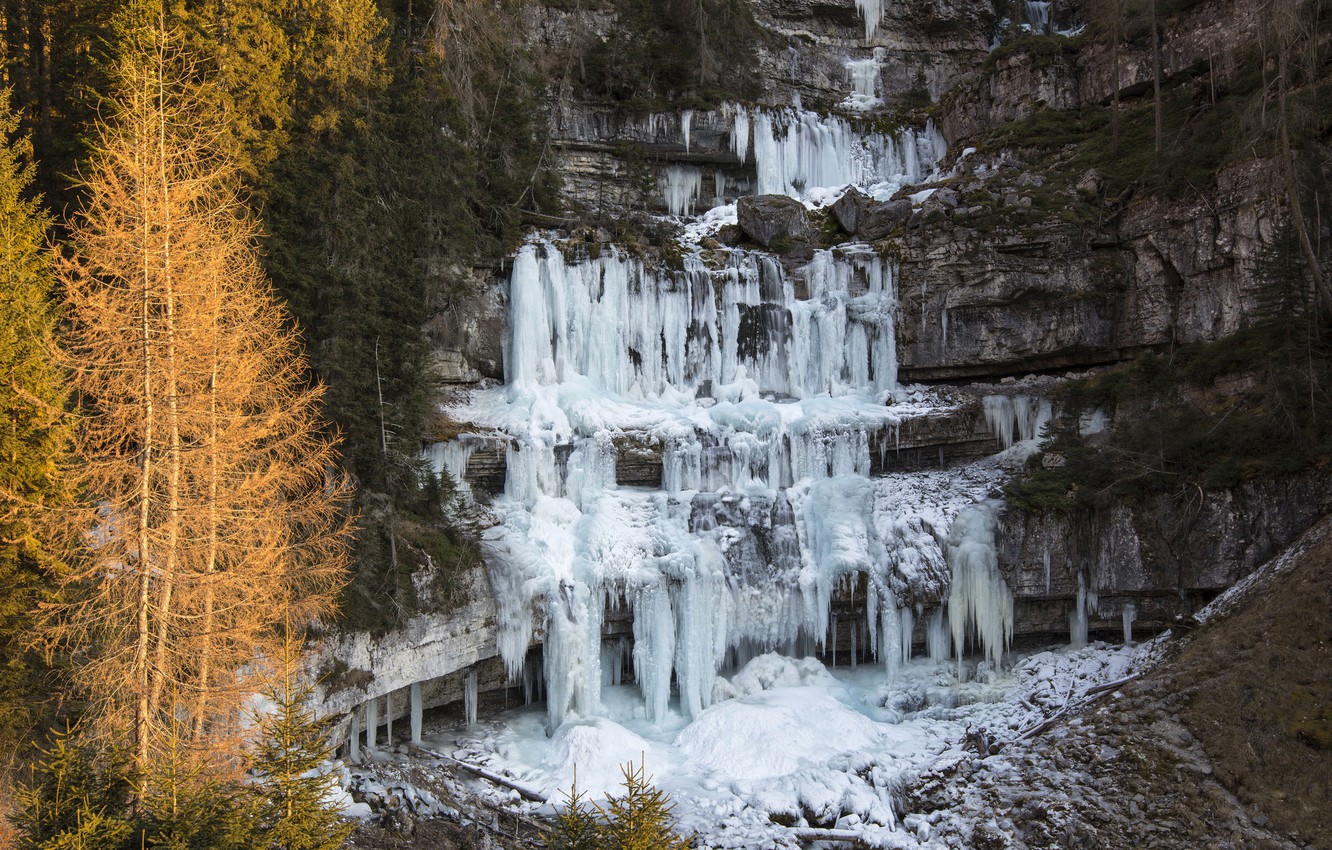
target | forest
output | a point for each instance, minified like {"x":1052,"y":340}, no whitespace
{"x":226,"y":226}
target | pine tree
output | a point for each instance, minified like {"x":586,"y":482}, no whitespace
{"x":34,"y":431}
{"x":292,"y":745}
{"x":576,"y":825}
{"x":201,"y":446}
{"x":79,"y":798}
{"x":640,"y":819}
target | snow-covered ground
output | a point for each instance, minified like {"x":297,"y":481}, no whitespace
{"x":790,"y":745}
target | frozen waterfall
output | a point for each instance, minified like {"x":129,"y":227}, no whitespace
{"x":761,"y":393}
{"x":689,"y":451}
{"x":798,"y":152}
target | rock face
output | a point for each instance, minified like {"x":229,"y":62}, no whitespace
{"x":1056,"y":294}
{"x":434,"y":649}
{"x":769,"y":219}
{"x":1166,"y":555}
{"x":1000,"y":273}
{"x":865,"y":218}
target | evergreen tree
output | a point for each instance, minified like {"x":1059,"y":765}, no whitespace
{"x":80,"y":797}
{"x":292,"y":745}
{"x":376,"y":219}
{"x":33,"y":430}
{"x":639,"y":819}
{"x":576,"y":825}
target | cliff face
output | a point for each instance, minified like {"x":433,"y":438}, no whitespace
{"x":1049,"y":293}
{"x":1163,"y":556}
{"x":1024,"y":258}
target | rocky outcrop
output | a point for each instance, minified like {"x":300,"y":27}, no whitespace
{"x":983,"y":296}
{"x":772,"y":220}
{"x":1167,"y":554}
{"x":435,"y":649}
{"x":467,"y":333}
{"x":865,"y":218}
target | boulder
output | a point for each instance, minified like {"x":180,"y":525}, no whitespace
{"x":768,"y":218}
{"x":880,"y":218}
{"x":849,"y":208}
{"x":863,"y":217}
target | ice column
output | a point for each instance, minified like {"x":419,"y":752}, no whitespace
{"x":1077,"y":618}
{"x":470,"y":697}
{"x":1016,"y":418}
{"x":863,"y":74}
{"x":681,"y":186}
{"x":980,"y":604}
{"x":416,"y":712}
{"x":740,"y":132}
{"x":872,"y":12}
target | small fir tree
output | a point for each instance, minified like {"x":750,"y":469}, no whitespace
{"x":576,"y":825}
{"x":292,"y":745}
{"x":78,"y":797}
{"x":639,"y":819}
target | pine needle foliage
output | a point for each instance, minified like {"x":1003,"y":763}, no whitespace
{"x":34,"y":430}
{"x":84,"y":796}
{"x":639,"y":819}
{"x":291,"y":748}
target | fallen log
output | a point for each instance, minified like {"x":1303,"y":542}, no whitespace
{"x":844,"y":836}
{"x":490,"y":776}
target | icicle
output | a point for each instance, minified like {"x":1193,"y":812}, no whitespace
{"x":797,"y":153}
{"x":686,"y":122}
{"x":470,"y":697}
{"x":907,"y":621}
{"x":892,"y":638}
{"x":681,"y":186}
{"x":1129,"y":614}
{"x":1016,"y":418}
{"x":979,"y":602}
{"x":740,"y":132}
{"x":872,"y":12}
{"x":654,"y":648}
{"x":1077,"y":618}
{"x":938,"y":642}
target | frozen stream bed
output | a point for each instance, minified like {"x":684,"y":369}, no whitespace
{"x":790,"y":745}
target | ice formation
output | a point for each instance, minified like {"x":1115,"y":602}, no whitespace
{"x":980,"y":605}
{"x":863,"y":74}
{"x":800,"y":153}
{"x":1036,"y":16}
{"x":796,"y":152}
{"x":872,"y":12}
{"x":759,"y":400}
{"x":681,"y":186}
{"x":1018,"y":418}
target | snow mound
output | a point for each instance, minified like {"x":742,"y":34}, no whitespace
{"x":770,"y":671}
{"x":598,"y":748}
{"x":769,"y":734}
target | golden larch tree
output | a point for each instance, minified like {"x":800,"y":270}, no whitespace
{"x":202,"y":451}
